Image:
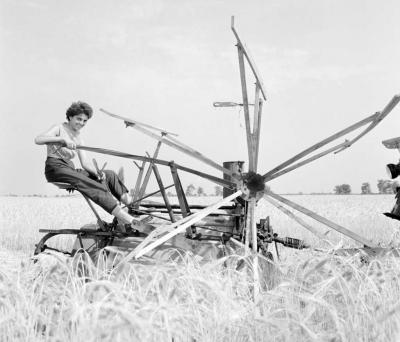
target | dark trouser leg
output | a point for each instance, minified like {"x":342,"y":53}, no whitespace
{"x":115,"y":185}
{"x":57,"y":171}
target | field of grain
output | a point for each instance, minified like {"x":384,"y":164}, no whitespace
{"x":315,"y":296}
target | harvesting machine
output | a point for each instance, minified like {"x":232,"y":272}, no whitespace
{"x":210,"y":231}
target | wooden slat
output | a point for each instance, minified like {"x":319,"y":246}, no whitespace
{"x":321,"y":143}
{"x":220,"y":181}
{"x":260,"y":108}
{"x":296,"y":218}
{"x":388,"y":108}
{"x":306,"y":161}
{"x":193,"y":219}
{"x":246,"y":109}
{"x":151,"y":194}
{"x":249,"y":58}
{"x":149,"y":170}
{"x":163,"y":193}
{"x":183,"y":204}
{"x":191,"y":152}
{"x":256,"y":126}
{"x":134,"y":122}
{"x":322,"y":219}
{"x":164,"y":229}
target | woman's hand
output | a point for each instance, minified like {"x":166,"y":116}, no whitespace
{"x":69,"y":144}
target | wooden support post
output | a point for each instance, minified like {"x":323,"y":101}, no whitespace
{"x":149,"y":170}
{"x":322,"y":219}
{"x":255,"y":136}
{"x":163,"y":193}
{"x":246,"y":107}
{"x":253,"y":229}
{"x":260,"y":108}
{"x":185,"y":209}
{"x":138,"y":180}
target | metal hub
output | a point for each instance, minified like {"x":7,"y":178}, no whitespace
{"x":253,"y":186}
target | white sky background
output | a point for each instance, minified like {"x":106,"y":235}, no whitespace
{"x":325,"y":65}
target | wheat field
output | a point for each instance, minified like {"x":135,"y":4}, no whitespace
{"x":306,"y":295}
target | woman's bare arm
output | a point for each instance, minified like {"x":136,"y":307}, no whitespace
{"x":51,"y":137}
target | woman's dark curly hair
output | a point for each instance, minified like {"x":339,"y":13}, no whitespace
{"x":79,"y":108}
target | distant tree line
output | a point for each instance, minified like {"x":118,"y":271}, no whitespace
{"x":384,"y":187}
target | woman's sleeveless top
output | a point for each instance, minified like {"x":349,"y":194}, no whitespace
{"x":57,"y":151}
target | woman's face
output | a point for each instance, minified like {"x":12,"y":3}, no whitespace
{"x":78,"y":121}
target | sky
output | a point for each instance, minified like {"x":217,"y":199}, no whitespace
{"x":325,"y":65}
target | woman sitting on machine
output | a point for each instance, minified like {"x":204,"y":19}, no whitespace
{"x":102,"y":187}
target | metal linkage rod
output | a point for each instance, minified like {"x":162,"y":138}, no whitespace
{"x":322,"y":219}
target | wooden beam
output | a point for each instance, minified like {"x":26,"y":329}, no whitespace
{"x":191,"y":152}
{"x":217,"y":180}
{"x":249,"y":58}
{"x":322,"y":219}
{"x":321,"y":143}
{"x":246,"y":108}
